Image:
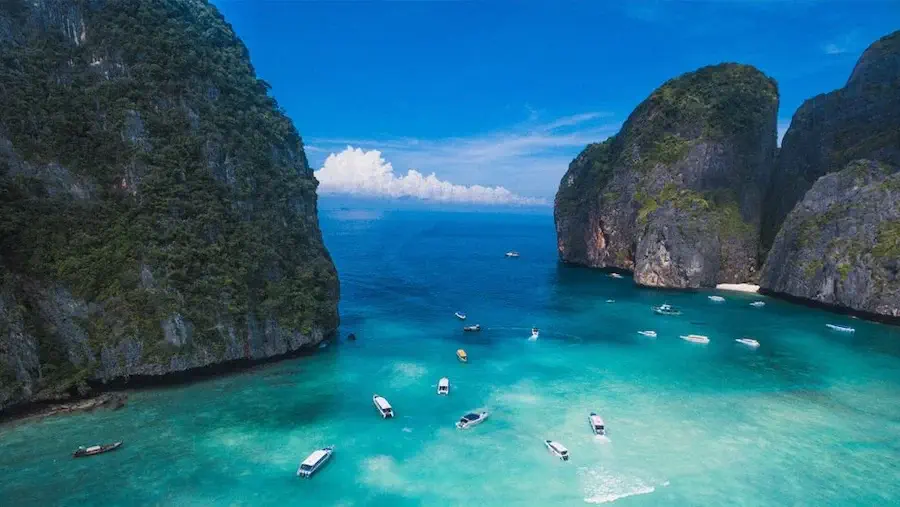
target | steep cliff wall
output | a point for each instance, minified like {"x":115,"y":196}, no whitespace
{"x":861,"y":120}
{"x":676,"y":195}
{"x":841,"y":243}
{"x":157,"y":211}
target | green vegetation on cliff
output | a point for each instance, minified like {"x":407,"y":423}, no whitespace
{"x":196,"y":197}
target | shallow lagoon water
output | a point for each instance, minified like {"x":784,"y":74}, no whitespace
{"x":812,"y":417}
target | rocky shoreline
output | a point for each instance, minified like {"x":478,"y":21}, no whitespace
{"x":693,"y":193}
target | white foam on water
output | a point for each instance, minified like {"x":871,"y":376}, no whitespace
{"x":603,"y":486}
{"x":603,"y":439}
{"x":382,"y":472}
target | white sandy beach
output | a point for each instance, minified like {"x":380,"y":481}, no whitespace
{"x":739,"y":287}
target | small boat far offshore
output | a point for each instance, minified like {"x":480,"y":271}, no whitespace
{"x":473,"y":329}
{"x":512,"y":254}
{"x":94,"y":450}
{"x":666,"y":309}
{"x":649,"y":334}
{"x":843,"y":329}
{"x":750,"y":342}
{"x":460,"y":315}
{"x":534,"y":333}
{"x":695,"y":338}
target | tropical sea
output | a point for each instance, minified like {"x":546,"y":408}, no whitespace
{"x":811,"y":417}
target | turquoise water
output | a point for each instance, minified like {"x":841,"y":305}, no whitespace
{"x":810,"y":418}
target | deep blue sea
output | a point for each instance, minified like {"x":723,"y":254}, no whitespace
{"x":812,"y":417}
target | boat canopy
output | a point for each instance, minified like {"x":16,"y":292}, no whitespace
{"x":444,"y":382}
{"x":313,"y":459}
{"x":461,"y":353}
{"x":382,"y":403}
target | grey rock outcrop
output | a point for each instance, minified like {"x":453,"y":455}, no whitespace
{"x":859,"y":121}
{"x":840,"y":245}
{"x":676,"y":195}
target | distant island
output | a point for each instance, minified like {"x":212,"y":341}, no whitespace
{"x":694,"y":192}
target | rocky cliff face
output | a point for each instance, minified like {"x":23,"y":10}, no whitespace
{"x":157,"y":212}
{"x":841,"y":243}
{"x":676,"y":195}
{"x":861,"y":120}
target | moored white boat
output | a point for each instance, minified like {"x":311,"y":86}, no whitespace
{"x":758,"y":304}
{"x":472,"y":329}
{"x":460,"y":315}
{"x":471,"y":419}
{"x":649,"y":334}
{"x":462,"y":356}
{"x":384,"y":408}
{"x":512,"y":254}
{"x":666,"y":309}
{"x":717,"y":299}
{"x":443,"y":386}
{"x":843,"y":329}
{"x":695,"y":338}
{"x":750,"y":342}
{"x":616,"y":275}
{"x":597,"y":424}
{"x":314,"y":461}
{"x":535,"y":332}
{"x":557,"y":449}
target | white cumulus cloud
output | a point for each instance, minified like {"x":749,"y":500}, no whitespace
{"x":359,"y":172}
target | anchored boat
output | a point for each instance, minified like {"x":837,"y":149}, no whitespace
{"x":666,"y":309}
{"x":843,"y":329}
{"x":471,"y":419}
{"x":597,"y":425}
{"x":649,"y":334}
{"x":473,"y":329}
{"x":460,"y":315}
{"x":314,"y":461}
{"x":534,"y":333}
{"x":717,"y":299}
{"x":750,"y":342}
{"x":94,"y":450}
{"x":557,"y":449}
{"x":461,"y":355}
{"x":512,"y":254}
{"x":758,"y":304}
{"x":695,"y":338}
{"x":384,"y":408}
{"x":444,"y":386}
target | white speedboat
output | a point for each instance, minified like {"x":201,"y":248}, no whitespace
{"x":717,"y":299}
{"x":460,"y":315}
{"x":314,"y":461}
{"x":758,"y":304}
{"x":384,"y":408}
{"x":666,"y":309}
{"x":472,"y":329}
{"x":610,"y":300}
{"x":534,"y":333}
{"x":750,"y":342}
{"x":695,"y":338}
{"x":649,"y":334}
{"x":512,"y":254}
{"x":557,"y":449}
{"x":597,"y":425}
{"x":444,"y":386}
{"x":616,"y":275}
{"x":471,"y":419}
{"x":843,"y":329}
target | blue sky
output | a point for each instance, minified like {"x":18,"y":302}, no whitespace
{"x":507,"y":93}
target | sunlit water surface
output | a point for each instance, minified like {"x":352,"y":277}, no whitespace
{"x":810,"y":418}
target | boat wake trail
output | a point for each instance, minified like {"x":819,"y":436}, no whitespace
{"x":602,"y":486}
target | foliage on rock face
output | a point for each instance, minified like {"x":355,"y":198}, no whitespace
{"x":702,"y":142}
{"x":199,"y":197}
